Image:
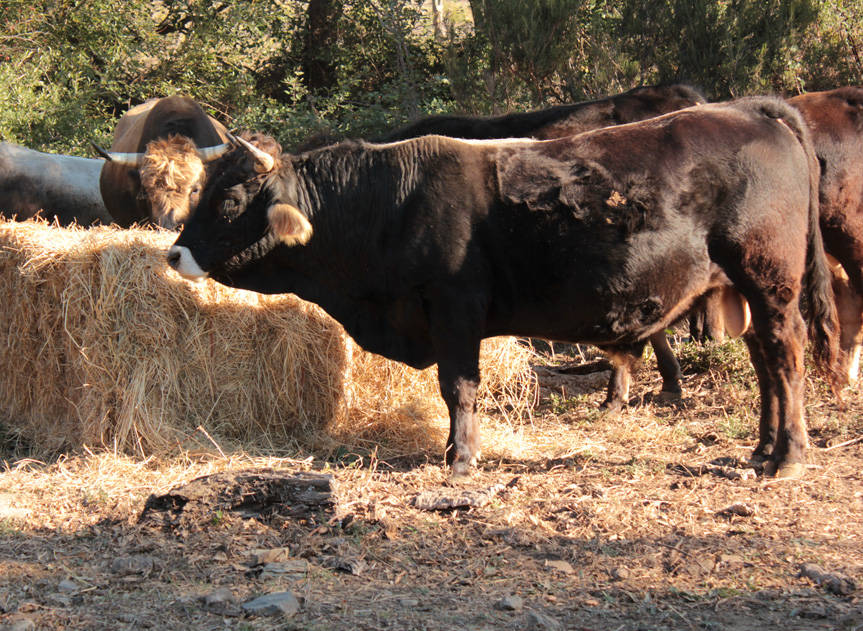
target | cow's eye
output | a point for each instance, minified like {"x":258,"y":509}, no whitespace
{"x":229,"y":209}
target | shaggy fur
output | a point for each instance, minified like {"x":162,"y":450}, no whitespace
{"x":171,"y":177}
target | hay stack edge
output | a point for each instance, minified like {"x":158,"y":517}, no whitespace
{"x":105,"y":346}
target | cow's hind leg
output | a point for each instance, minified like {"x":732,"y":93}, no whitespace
{"x":705,"y":318}
{"x":668,"y":366}
{"x":768,"y":427}
{"x":778,"y":338}
{"x":624,"y":360}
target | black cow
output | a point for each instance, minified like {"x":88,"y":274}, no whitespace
{"x":422,"y":248}
{"x":559,"y":121}
{"x":567,"y":120}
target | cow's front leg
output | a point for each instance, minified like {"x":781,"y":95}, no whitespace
{"x":459,"y":381}
{"x":456,"y":332}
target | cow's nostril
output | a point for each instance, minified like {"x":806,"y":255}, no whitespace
{"x":174,"y":257}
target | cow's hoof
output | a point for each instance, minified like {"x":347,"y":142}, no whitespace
{"x":611,"y":407}
{"x":669,"y":396}
{"x":789,"y":471}
{"x":761,"y":453}
{"x":460,"y":471}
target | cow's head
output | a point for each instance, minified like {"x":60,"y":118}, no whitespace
{"x":171,"y":172}
{"x":248,"y":206}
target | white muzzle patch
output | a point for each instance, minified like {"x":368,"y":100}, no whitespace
{"x":181,"y":259}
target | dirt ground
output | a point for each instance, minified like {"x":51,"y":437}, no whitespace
{"x":652,"y":519}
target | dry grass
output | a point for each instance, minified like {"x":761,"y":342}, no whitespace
{"x":107,"y":347}
{"x":603,"y":522}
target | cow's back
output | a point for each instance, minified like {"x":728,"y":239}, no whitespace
{"x":561,"y":120}
{"x":65,"y":187}
{"x":835,"y":118}
{"x":130,"y":126}
{"x":157,"y":118}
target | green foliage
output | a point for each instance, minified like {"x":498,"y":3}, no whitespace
{"x":69,"y":69}
{"x":529,"y":45}
{"x":728,"y":47}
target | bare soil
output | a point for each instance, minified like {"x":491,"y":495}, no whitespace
{"x":651,"y":519}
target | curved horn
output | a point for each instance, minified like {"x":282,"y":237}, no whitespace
{"x":264,"y":159}
{"x":100,"y":151}
{"x":208,"y":154}
{"x":124,"y":159}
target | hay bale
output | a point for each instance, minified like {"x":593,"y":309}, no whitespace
{"x":106,"y":346}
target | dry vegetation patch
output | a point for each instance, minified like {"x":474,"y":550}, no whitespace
{"x":106,"y":347}
{"x":651,"y":519}
{"x":647,"y":520}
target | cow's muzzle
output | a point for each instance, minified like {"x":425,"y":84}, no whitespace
{"x":181,"y":259}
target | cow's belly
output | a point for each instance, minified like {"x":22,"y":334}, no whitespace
{"x":607,"y":303}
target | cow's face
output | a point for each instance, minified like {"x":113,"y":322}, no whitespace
{"x":244,"y":212}
{"x":172,"y":176}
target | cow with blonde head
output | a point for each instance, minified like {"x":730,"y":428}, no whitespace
{"x":155,"y":168}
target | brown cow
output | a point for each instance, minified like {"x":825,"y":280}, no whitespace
{"x":155,"y":167}
{"x":835,"y":118}
{"x":423,"y":247}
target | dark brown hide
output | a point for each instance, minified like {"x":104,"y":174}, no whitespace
{"x":422,"y":248}
{"x":835,"y":118}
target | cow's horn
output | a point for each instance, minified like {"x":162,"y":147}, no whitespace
{"x":208,"y":154}
{"x":264,"y":159}
{"x":100,"y":151}
{"x":125,"y":159}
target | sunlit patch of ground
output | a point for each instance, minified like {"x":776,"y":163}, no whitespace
{"x":651,"y":519}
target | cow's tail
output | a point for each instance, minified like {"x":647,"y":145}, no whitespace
{"x":819,"y":304}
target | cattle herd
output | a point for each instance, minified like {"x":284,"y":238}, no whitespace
{"x":601,"y":222}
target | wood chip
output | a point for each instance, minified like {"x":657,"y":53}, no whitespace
{"x":446,"y":498}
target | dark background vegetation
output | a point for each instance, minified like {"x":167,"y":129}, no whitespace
{"x":70,"y":68}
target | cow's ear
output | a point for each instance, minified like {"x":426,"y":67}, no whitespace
{"x":289,"y":224}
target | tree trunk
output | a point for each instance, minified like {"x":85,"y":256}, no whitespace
{"x":322,"y":20}
{"x":437,"y":20}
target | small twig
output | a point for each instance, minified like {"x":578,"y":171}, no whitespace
{"x":686,"y":554}
{"x":201,"y":429}
{"x":845,"y":444}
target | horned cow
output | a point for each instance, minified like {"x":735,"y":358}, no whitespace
{"x":155,"y":167}
{"x":422,"y":248}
